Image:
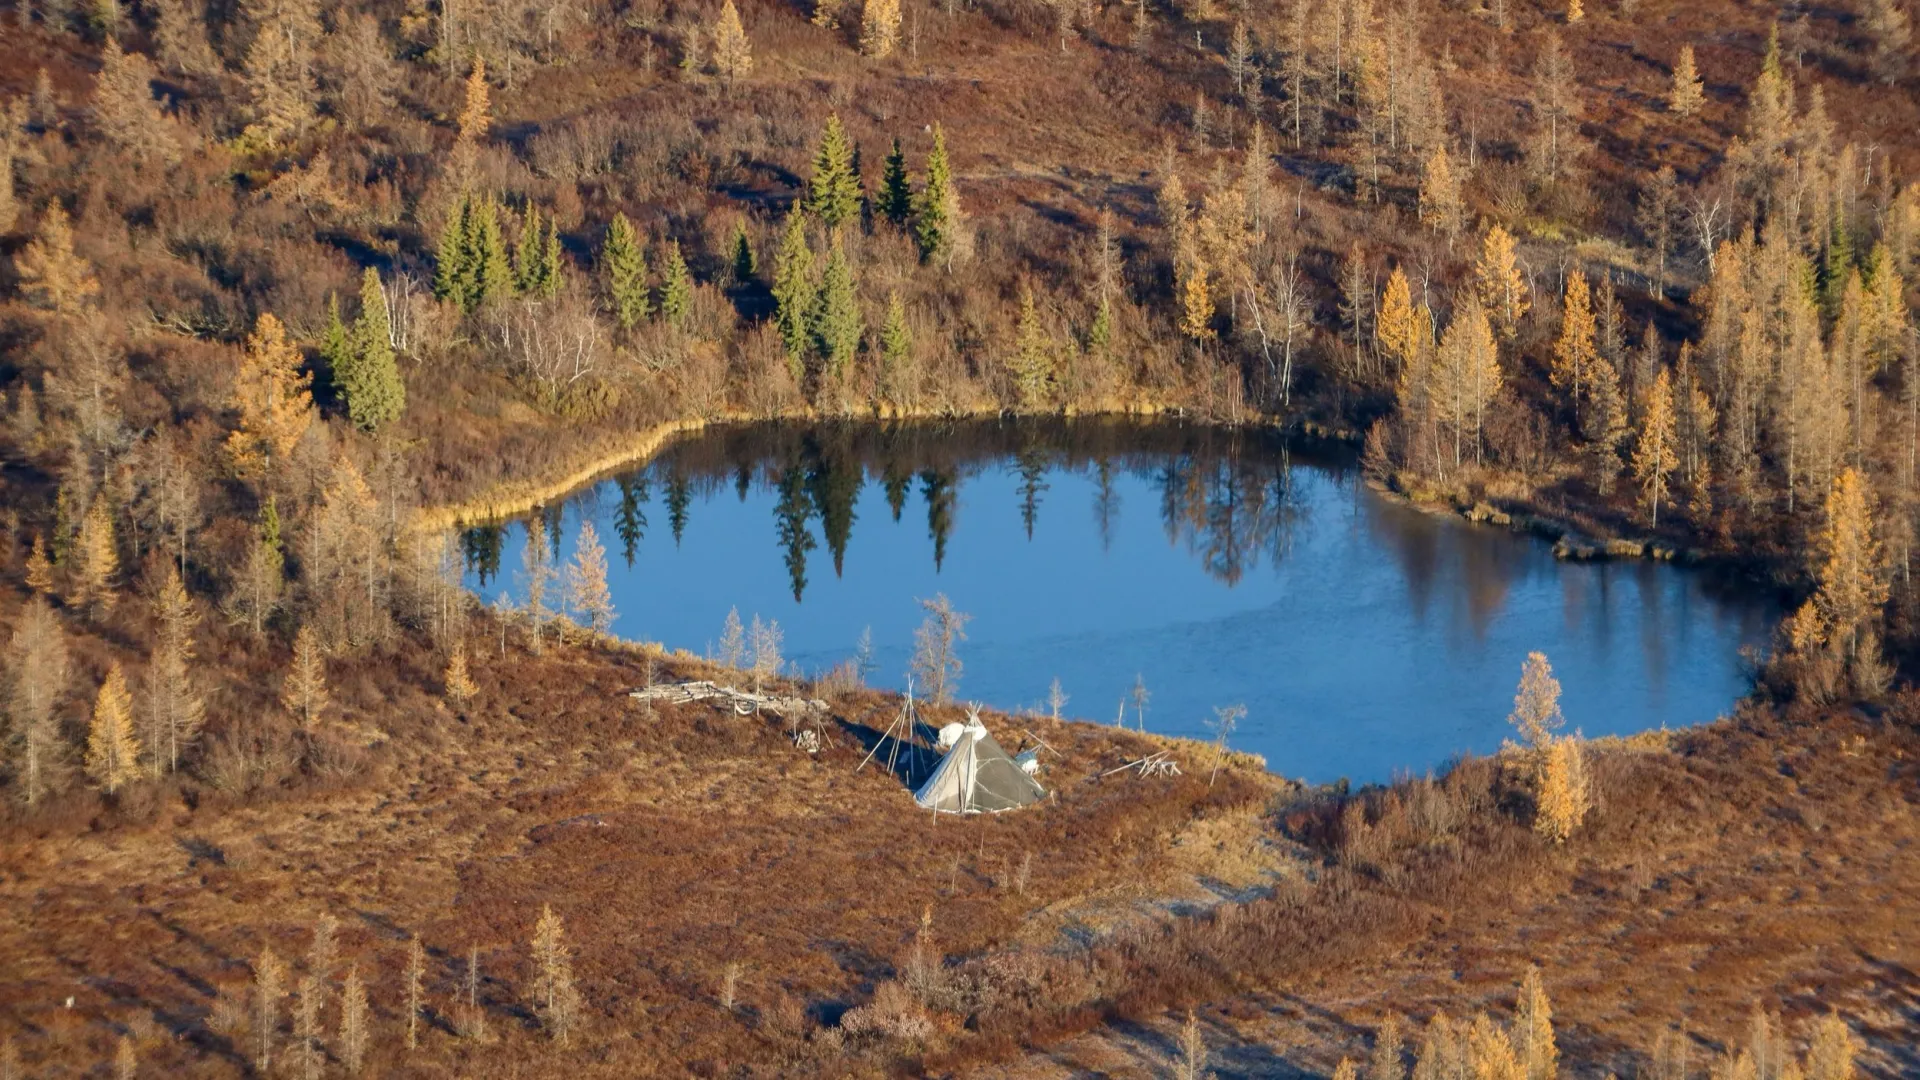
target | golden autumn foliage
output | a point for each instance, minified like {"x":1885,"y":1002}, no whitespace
{"x":1399,"y":327}
{"x":51,"y":274}
{"x":458,"y":681}
{"x":476,"y":113}
{"x":305,"y":692}
{"x":96,"y":558}
{"x":1574,"y":352}
{"x":1653,"y":452}
{"x":1847,"y":569}
{"x":1562,"y":799}
{"x":1533,"y":1027}
{"x":1687,"y":93}
{"x":1196,"y":308}
{"x":1502,"y":286}
{"x":272,"y":396}
{"x":39,"y":568}
{"x":113,"y":751}
{"x":879,"y":27}
{"x":732,"y":51}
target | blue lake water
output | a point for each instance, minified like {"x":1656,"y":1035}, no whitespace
{"x":1363,"y":637}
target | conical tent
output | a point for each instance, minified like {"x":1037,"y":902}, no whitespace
{"x":976,"y":776}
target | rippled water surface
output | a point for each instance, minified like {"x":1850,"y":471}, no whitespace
{"x":1362,"y":636}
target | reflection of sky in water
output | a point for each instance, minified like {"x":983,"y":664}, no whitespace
{"x":1364,"y":637}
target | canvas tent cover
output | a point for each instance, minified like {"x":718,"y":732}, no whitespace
{"x":977,"y":775}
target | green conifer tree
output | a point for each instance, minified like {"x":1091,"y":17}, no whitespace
{"x":550,"y":265}
{"x":1100,"y":334}
{"x":934,"y":216}
{"x":336,"y":352}
{"x":676,"y":292}
{"x":896,"y":194}
{"x":1032,"y":363}
{"x":1833,"y":270}
{"x":491,"y":276}
{"x":452,"y":275}
{"x":793,"y":290}
{"x":625,"y":264}
{"x":896,"y":340}
{"x":745,"y":263}
{"x":836,"y":321}
{"x":371,"y":382}
{"x":528,"y":269}
{"x":834,"y":192}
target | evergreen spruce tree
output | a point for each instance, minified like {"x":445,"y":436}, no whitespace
{"x":336,"y":351}
{"x":526,"y":253}
{"x":371,"y":381}
{"x":550,"y":265}
{"x":676,"y":292}
{"x":836,"y":320}
{"x":833,"y":194}
{"x":746,"y":264}
{"x":1032,"y":362}
{"x":896,"y":194}
{"x":490,"y":275}
{"x":1836,"y":265}
{"x":452,"y":272}
{"x":625,"y":265}
{"x":896,"y":341}
{"x":936,"y":216}
{"x":1100,"y":332}
{"x":536,"y":259}
{"x":793,"y":290}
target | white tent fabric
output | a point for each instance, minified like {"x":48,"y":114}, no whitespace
{"x":976,"y":776}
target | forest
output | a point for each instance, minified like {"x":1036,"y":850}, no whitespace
{"x":292,"y":291}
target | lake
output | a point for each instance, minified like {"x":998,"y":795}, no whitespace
{"x":1213,"y":567}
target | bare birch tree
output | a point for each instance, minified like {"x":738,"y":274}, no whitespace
{"x":936,"y":661}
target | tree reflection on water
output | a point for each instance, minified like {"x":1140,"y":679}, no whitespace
{"x":1228,"y":497}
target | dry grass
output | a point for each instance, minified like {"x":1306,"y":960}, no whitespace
{"x":673,"y":845}
{"x":1766,"y":861}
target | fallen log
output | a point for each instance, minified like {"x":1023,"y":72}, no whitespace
{"x":742,"y":702}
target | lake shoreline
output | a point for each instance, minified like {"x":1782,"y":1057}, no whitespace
{"x":506,"y":500}
{"x":1576,"y":543}
{"x":1174,"y":476}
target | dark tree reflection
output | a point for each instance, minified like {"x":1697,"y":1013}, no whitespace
{"x":630,"y":520}
{"x":937,"y":487}
{"x":553,"y":517}
{"x":1031,"y":463}
{"x":897,"y":478}
{"x":480,"y":546}
{"x":1228,"y":497}
{"x":679,"y":497}
{"x":790,"y":521}
{"x":1106,"y":502}
{"x":834,"y":479}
